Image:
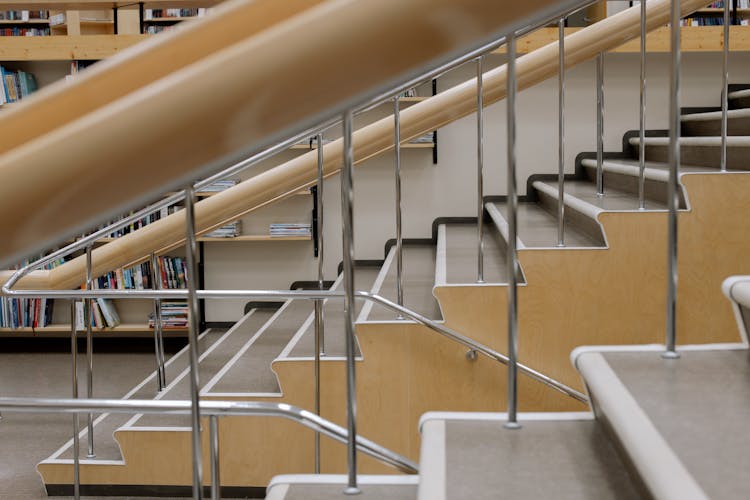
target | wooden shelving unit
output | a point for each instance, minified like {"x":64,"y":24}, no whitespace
{"x":123,"y":330}
{"x":254,"y":237}
{"x":694,"y":39}
{"x":30,"y":22}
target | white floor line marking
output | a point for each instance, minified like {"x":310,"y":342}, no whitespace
{"x":377,"y":285}
{"x":137,"y":388}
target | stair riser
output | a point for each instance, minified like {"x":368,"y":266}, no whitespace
{"x":581,"y":221}
{"x":655,"y":190}
{"x":738,"y":126}
{"x":705,"y":156}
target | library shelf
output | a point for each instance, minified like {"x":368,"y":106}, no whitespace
{"x":4,"y":22}
{"x":102,"y":4}
{"x":170,"y":19}
{"x":63,"y":330}
{"x":693,"y":39}
{"x":405,"y":145}
{"x":254,"y":237}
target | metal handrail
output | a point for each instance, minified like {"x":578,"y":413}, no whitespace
{"x":298,"y":295}
{"x":209,"y":408}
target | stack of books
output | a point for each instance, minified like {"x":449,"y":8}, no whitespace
{"x":219,"y":186}
{"x":289,"y":229}
{"x":174,"y":314}
{"x":103,"y":314}
{"x":31,"y":313}
{"x":140,"y":277}
{"x":423,"y":139}
{"x":227,"y":231}
{"x":16,"y":85}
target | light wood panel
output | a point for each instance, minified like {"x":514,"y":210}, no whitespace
{"x":280,"y":181}
{"x":100,"y":4}
{"x":52,"y":48}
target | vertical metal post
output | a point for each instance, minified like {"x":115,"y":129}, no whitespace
{"x":161,"y":374}
{"x":561,"y":135}
{"x":512,"y":422}
{"x":399,"y":238}
{"x":319,"y":321}
{"x":674,"y":162}
{"x":725,"y":88}
{"x":642,"y":129}
{"x":89,"y":303}
{"x":347,"y":219}
{"x":215,"y":473}
{"x":76,"y":442}
{"x":480,"y":169}
{"x":192,"y":277}
{"x":600,"y":124}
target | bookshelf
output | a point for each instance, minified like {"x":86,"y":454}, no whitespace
{"x":129,"y":330}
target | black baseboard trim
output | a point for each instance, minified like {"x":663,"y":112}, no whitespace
{"x":260,"y":304}
{"x":137,"y":490}
{"x":220,"y":324}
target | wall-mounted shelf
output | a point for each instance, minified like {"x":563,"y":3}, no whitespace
{"x":30,"y":22}
{"x":61,"y":330}
{"x":254,"y":237}
{"x":694,"y":39}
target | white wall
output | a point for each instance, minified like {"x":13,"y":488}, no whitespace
{"x":449,"y":188}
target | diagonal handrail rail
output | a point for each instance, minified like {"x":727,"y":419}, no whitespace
{"x":300,"y":295}
{"x":209,"y":409}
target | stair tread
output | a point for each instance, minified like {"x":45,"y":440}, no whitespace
{"x":738,"y":94}
{"x":250,"y":370}
{"x":105,"y":446}
{"x":655,"y":170}
{"x":707,"y":141}
{"x":613,"y":199}
{"x":326,"y":486}
{"x":700,"y":404}
{"x":333,"y":314}
{"x":716,"y":115}
{"x":419,"y":279}
{"x":538,"y":228}
{"x":461,"y":254}
{"x":563,"y":459}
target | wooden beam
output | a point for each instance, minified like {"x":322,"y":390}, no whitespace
{"x":124,"y":139}
{"x":64,"y":48}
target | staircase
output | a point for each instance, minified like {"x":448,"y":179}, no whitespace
{"x":606,"y":286}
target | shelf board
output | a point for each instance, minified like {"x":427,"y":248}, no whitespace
{"x":256,"y":237}
{"x":63,"y":330}
{"x":170,"y":19}
{"x":693,"y":39}
{"x":64,"y":48}
{"x":4,"y":22}
{"x":101,"y":4}
{"x":405,"y":145}
{"x":719,"y":10}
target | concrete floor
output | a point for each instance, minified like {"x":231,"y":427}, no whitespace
{"x":26,"y":439}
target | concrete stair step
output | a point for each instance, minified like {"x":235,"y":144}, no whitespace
{"x":709,"y":124}
{"x":457,"y":257}
{"x":699,"y":151}
{"x":537,"y":225}
{"x":739,"y":99}
{"x":327,"y":486}
{"x":105,"y":447}
{"x":418,"y":277}
{"x":553,"y":455}
{"x":681,"y":422}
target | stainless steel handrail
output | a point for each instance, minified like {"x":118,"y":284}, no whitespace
{"x":208,"y":409}
{"x":298,"y":295}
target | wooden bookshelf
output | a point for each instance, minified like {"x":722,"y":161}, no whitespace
{"x":254,"y":237}
{"x":63,"y":330}
{"x":30,"y":22}
{"x":405,"y":145}
{"x":694,"y":39}
{"x":64,"y":48}
{"x":103,"y":4}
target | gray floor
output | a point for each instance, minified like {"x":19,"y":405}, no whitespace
{"x":461,"y":254}
{"x":700,"y":404}
{"x":553,"y":459}
{"x":27,"y":439}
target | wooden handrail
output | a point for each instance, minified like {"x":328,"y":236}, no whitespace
{"x":369,"y":141}
{"x":223,"y":107}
